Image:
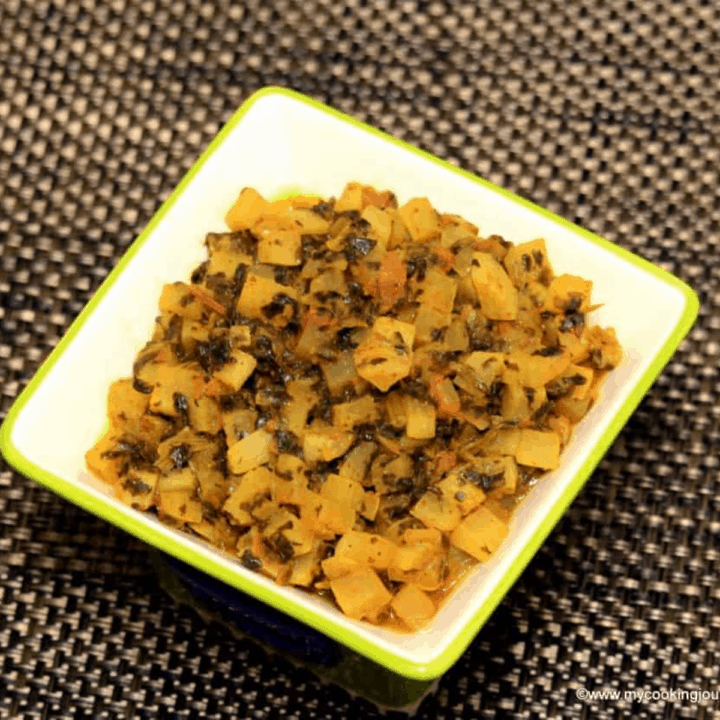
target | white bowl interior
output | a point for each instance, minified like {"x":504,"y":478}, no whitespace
{"x":279,"y":143}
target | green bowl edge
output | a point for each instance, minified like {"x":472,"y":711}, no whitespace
{"x":401,"y":665}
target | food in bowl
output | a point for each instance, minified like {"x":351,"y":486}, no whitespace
{"x":350,"y":396}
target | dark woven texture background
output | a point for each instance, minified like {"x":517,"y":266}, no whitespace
{"x":607,"y":113}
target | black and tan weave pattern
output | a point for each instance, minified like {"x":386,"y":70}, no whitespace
{"x":607,"y":113}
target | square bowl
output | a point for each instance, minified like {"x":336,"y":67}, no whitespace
{"x":276,"y":142}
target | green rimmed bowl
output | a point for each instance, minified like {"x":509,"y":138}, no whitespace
{"x":279,"y":140}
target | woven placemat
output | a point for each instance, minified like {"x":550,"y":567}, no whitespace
{"x":606,"y":113}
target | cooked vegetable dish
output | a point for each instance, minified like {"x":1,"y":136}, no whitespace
{"x":350,"y":396}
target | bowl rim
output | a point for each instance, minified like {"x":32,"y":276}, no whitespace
{"x":399,"y":664}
